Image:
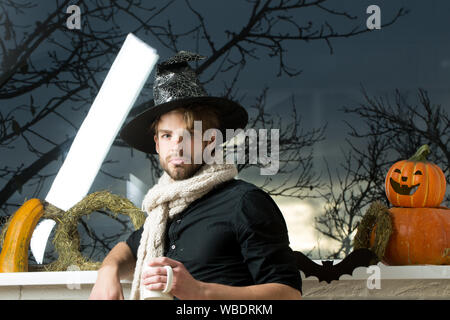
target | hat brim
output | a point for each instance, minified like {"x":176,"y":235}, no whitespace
{"x":138,"y":134}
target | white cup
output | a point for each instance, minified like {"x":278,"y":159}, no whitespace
{"x":147,"y":294}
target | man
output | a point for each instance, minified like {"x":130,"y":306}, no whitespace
{"x":224,"y":238}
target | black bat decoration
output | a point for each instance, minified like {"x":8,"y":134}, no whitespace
{"x":329,"y":272}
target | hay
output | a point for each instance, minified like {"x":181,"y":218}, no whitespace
{"x":378,"y":217}
{"x":67,"y":239}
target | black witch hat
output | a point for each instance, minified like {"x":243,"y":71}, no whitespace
{"x":176,"y":85}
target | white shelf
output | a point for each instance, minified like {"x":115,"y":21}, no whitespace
{"x":49,"y":278}
{"x":396,"y":282}
{"x":396,"y":272}
{"x":89,"y":277}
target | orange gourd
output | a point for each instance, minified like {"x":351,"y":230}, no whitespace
{"x":420,"y":228}
{"x":419,"y":236}
{"x":14,"y":255}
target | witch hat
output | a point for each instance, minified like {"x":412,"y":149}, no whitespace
{"x":176,"y":85}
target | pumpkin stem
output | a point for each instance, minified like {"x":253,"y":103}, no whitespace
{"x":421,"y":154}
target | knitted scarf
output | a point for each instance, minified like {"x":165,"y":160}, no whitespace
{"x":166,"y":199}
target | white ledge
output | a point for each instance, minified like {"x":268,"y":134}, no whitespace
{"x":396,"y":282}
{"x":49,"y":278}
{"x":395,"y":272}
{"x":89,"y":277}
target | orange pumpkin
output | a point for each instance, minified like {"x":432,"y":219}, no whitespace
{"x":420,"y":236}
{"x":420,"y":228}
{"x":415,"y":183}
{"x":14,"y":255}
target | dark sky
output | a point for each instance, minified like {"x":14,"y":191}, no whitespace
{"x":413,"y":53}
{"x":410,"y":54}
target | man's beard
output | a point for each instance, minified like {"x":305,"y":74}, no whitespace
{"x":180,"y":172}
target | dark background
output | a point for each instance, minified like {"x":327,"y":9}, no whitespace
{"x":411,"y":53}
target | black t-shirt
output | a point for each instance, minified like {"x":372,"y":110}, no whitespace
{"x":234,"y":235}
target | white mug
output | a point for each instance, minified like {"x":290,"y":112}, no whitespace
{"x":147,"y":294}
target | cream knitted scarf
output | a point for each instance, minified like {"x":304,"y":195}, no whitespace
{"x":165,"y":200}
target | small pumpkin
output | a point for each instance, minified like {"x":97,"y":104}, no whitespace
{"x":416,"y":182}
{"x":14,"y":255}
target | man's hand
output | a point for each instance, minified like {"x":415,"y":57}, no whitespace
{"x":118,"y":264}
{"x":107,"y":286}
{"x":184,"y":286}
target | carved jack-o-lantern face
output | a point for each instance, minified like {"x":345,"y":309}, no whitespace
{"x":415,"y":183}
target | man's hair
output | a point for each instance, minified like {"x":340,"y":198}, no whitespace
{"x":194,"y":112}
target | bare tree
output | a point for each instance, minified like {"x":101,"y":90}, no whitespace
{"x":49,"y":75}
{"x":71,"y":73}
{"x":408,"y":125}
{"x":393,"y":131}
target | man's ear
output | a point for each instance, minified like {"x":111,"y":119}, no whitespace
{"x":155,"y":137}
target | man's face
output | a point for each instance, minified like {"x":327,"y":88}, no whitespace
{"x":170,"y":146}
